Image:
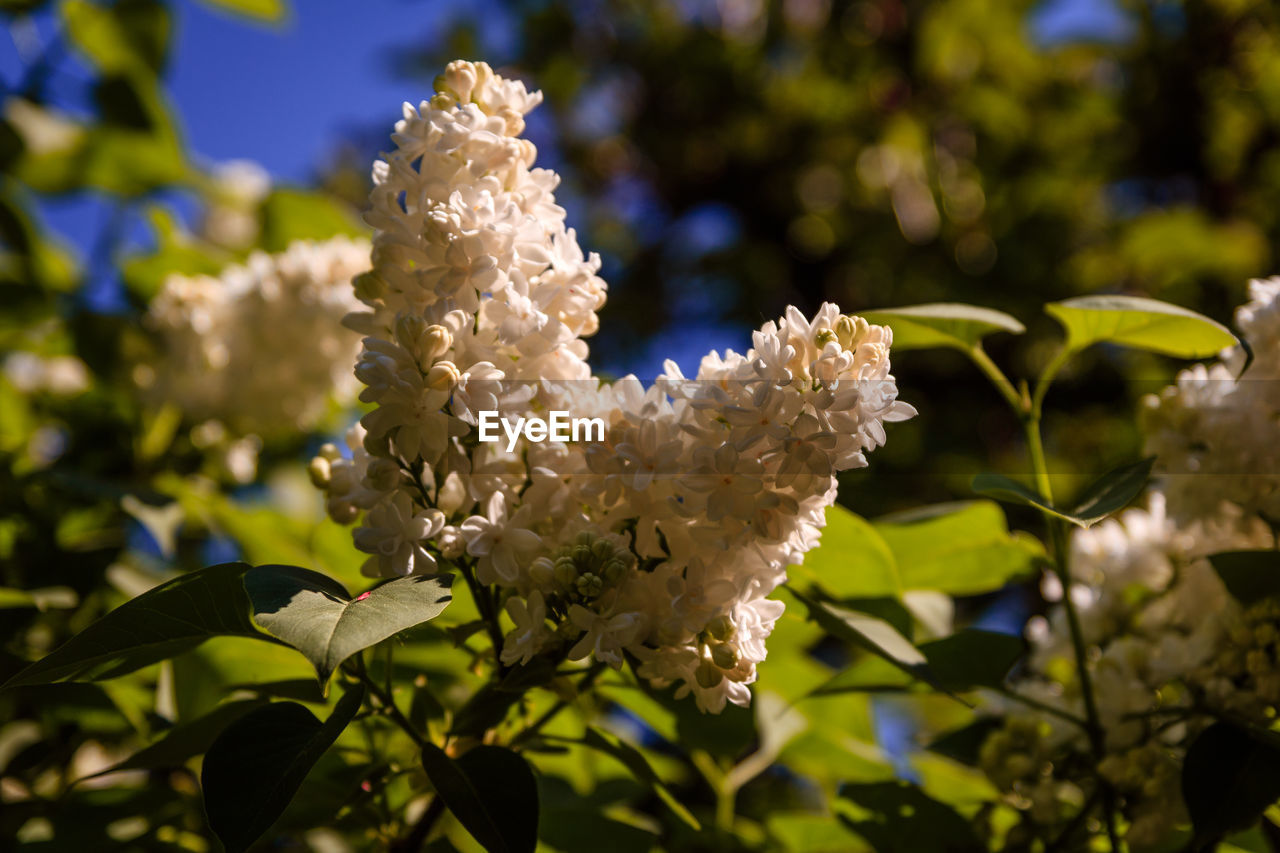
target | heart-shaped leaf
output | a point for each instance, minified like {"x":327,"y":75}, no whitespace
{"x":1141,"y":323}
{"x":314,"y":614}
{"x":942,"y":324}
{"x":491,"y":791}
{"x":174,"y":617}
{"x":253,"y":769}
{"x":1250,"y":576}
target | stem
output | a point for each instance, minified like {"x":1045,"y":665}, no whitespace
{"x":388,"y":703}
{"x":484,"y":604}
{"x":998,"y":379}
{"x":533,"y":728}
{"x":1043,"y":706}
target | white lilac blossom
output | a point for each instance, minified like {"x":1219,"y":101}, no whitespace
{"x":227,"y":347}
{"x":1216,"y":432}
{"x":658,"y":545}
{"x":1166,"y":641}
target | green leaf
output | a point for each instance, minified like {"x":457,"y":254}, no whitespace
{"x":1106,"y":496}
{"x":1138,"y":322}
{"x":635,"y":762}
{"x":966,"y":660}
{"x":853,"y":560}
{"x":491,"y":791}
{"x":962,"y":548}
{"x":965,"y":743}
{"x":316,"y":616}
{"x":183,"y":742}
{"x":973,"y":658}
{"x":175,"y":252}
{"x":1250,"y":576}
{"x":1229,"y":778}
{"x":903,"y":819}
{"x":875,"y":635}
{"x":253,"y":769}
{"x":172,"y":618}
{"x":127,"y":35}
{"x":289,"y":215}
{"x":264,"y":10}
{"x":942,"y":324}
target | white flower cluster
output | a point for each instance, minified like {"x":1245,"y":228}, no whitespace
{"x":258,"y":350}
{"x":1167,"y":644}
{"x":660,"y":542}
{"x":1216,"y":432}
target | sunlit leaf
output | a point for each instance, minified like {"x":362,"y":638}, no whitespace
{"x":942,"y":324}
{"x":869,"y":632}
{"x":289,"y":215}
{"x":253,"y":769}
{"x":852,"y":560}
{"x":315,"y":615}
{"x":491,"y":791}
{"x":960,"y":548}
{"x":1138,"y":322}
{"x":264,"y":10}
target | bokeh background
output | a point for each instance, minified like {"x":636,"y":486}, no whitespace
{"x":725,"y":158}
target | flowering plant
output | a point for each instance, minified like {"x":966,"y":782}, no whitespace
{"x":625,"y":588}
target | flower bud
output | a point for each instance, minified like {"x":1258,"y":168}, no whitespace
{"x":566,"y":573}
{"x":369,"y":286}
{"x":409,"y":330}
{"x":382,"y":474}
{"x":330,"y":451}
{"x":823,"y":337}
{"x":435,"y":341}
{"x":724,"y":656}
{"x":542,"y":572}
{"x":589,"y":585}
{"x":851,"y":330}
{"x":320,"y":472}
{"x":721,"y":628}
{"x":708,"y":675}
{"x":443,"y":376}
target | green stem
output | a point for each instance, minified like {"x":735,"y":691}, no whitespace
{"x":1045,"y":707}
{"x":536,"y":726}
{"x":484,"y":605}
{"x":997,"y":377}
{"x":388,"y":703}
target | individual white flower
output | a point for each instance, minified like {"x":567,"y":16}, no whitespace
{"x":531,"y":632}
{"x":395,"y":533}
{"x":503,"y":547}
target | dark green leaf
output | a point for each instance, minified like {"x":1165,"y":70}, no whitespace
{"x":1250,"y":576}
{"x":635,"y":762}
{"x":253,"y":769}
{"x":903,"y":819}
{"x":1112,"y":492}
{"x":314,"y":614}
{"x":172,"y":618}
{"x":491,"y":791}
{"x":1109,"y":494}
{"x":1139,"y":322}
{"x":965,"y":743}
{"x":1229,"y":778}
{"x":973,"y":658}
{"x":942,"y":324}
{"x":868,"y":632}
{"x":188,"y":740}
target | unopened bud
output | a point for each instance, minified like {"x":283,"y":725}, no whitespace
{"x":851,"y":330}
{"x":436,"y":340}
{"x":443,"y":376}
{"x":330,"y":451}
{"x":369,"y":286}
{"x":708,"y":675}
{"x":823,"y":337}
{"x":409,"y":330}
{"x":721,"y":628}
{"x":724,"y":656}
{"x":566,"y":573}
{"x":542,"y":572}
{"x":382,"y":474}
{"x":589,"y":585}
{"x":320,"y":472}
